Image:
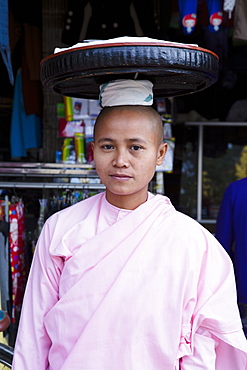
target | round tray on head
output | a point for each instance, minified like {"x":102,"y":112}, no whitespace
{"x":174,"y":69}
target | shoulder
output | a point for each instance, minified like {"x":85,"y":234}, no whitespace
{"x":178,"y":221}
{"x":75,"y":213}
{"x":198,"y":243}
{"x":237,"y":185}
{"x":187,"y":233}
{"x":188,"y":242}
{"x":236,"y":190}
{"x":189,"y":225}
{"x":66,"y":224}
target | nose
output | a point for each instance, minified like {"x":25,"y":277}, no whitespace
{"x":121,"y":159}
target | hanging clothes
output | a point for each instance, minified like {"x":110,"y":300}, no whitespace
{"x":4,"y":38}
{"x":240,"y":21}
{"x":188,"y":14}
{"x":31,"y":58}
{"x":42,"y":212}
{"x":17,"y":256}
{"x":4,"y":257}
{"x":26,"y":46}
{"x":109,"y":19}
{"x":25,"y":132}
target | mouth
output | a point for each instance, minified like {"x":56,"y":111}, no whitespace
{"x":120,"y":176}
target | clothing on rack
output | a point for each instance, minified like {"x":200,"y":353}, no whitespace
{"x":60,"y":200}
{"x":17,"y":256}
{"x":240,"y":21}
{"x":26,"y":38}
{"x":4,"y":256}
{"x":4,"y":38}
{"x":218,"y":43}
{"x":25,"y":132}
{"x":41,"y":220}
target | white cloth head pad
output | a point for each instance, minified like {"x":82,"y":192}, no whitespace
{"x":126,"y":92}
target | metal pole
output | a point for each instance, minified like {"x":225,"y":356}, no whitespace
{"x":199,"y":173}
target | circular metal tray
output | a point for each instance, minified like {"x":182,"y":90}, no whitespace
{"x":174,"y":69}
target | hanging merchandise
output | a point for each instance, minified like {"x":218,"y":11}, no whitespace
{"x":91,"y":19}
{"x":68,"y":151}
{"x":4,"y":255}
{"x":42,"y":212}
{"x":25,"y":132}
{"x":89,"y":129}
{"x":57,"y":202}
{"x":4,"y":225}
{"x":188,"y":14}
{"x":240,"y":21}
{"x":79,"y":140}
{"x":68,"y":108}
{"x":80,"y":108}
{"x":76,"y":123}
{"x":165,"y":108}
{"x":76,"y":108}
{"x":167,"y":165}
{"x":17,"y":256}
{"x":4,"y":39}
{"x":229,"y":6}
{"x":69,"y":128}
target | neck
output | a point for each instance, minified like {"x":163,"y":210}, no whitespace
{"x":129,"y":202}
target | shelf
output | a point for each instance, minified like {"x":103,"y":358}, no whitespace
{"x":47,"y":169}
{"x":52,"y":185}
{"x":85,"y":174}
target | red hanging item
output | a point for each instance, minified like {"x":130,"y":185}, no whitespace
{"x":17,"y":256}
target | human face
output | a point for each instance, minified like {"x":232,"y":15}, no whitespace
{"x":126,"y":152}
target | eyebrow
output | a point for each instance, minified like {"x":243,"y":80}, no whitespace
{"x":104,"y":139}
{"x":132,"y":140}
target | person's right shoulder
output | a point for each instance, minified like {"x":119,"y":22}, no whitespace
{"x":74,"y":213}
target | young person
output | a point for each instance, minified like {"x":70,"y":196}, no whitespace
{"x":121,"y":280}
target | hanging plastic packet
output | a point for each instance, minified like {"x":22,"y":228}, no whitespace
{"x":68,"y":151}
{"x":79,"y":147}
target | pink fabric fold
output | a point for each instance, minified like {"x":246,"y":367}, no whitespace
{"x":144,"y":289}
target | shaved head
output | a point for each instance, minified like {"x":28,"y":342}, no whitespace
{"x":154,"y":117}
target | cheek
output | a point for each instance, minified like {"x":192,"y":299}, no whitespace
{"x":147,"y":165}
{"x":97,"y":157}
{"x":101,"y":162}
{"x":150,"y":160}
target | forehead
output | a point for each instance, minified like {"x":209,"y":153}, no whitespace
{"x":122,"y":117}
{"x":124,"y":127}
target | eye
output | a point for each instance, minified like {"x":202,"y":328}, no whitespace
{"x":135,"y":147}
{"x":107,"y":146}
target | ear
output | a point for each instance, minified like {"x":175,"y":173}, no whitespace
{"x":92,"y":145}
{"x":161,"y":153}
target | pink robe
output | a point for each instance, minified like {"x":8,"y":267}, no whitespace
{"x":111,"y":289}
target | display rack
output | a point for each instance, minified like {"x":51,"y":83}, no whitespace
{"x":54,"y":176}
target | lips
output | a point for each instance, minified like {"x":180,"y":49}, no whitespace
{"x":120,"y":176}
